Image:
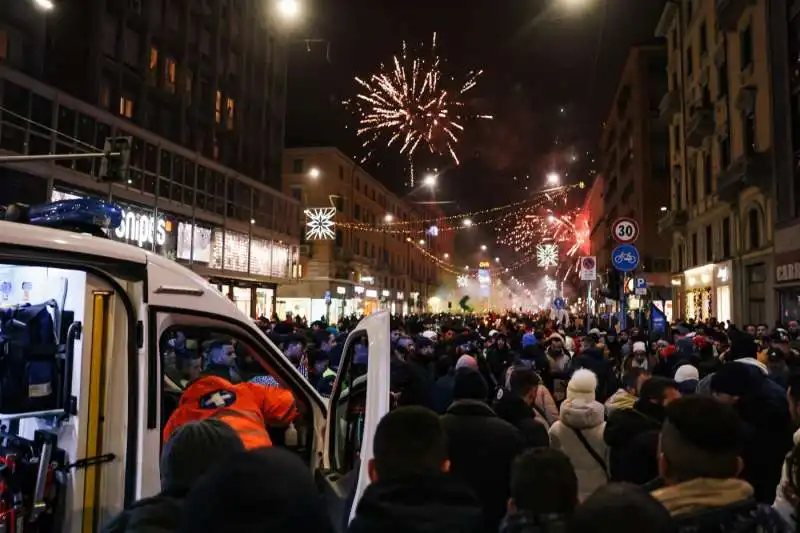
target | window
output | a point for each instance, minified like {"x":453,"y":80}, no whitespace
{"x":749,"y":131}
{"x":230,"y":108}
{"x":126,"y":106}
{"x":722,"y":80}
{"x":170,"y":74}
{"x":3,"y":45}
{"x":188,"y":85}
{"x":707,"y":175}
{"x":694,"y":250}
{"x":297,"y":166}
{"x":756,"y":293}
{"x":218,"y":107}
{"x":153,"y":64}
{"x":724,"y":154}
{"x":691,"y":185}
{"x":703,"y":38}
{"x":746,"y":47}
{"x":709,"y":245}
{"x":297,"y":193}
{"x":104,"y":96}
{"x":753,"y":229}
{"x":726,"y":237}
{"x":341,"y":173}
{"x":689,"y":62}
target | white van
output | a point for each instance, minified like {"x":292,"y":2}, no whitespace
{"x":113,"y":304}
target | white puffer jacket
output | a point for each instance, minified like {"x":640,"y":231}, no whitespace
{"x":588,"y":417}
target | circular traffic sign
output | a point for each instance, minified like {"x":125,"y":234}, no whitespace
{"x":625,"y":230}
{"x":625,"y":258}
{"x":588,"y":263}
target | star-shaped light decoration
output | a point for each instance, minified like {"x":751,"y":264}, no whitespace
{"x":547,"y":255}
{"x":320,"y":224}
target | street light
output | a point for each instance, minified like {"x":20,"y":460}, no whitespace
{"x":553,"y":178}
{"x":446,"y":256}
{"x":483,"y":247}
{"x":388,"y":218}
{"x":663,"y":208}
{"x":46,"y":5}
{"x":467,"y":222}
{"x":429,"y":181}
{"x":314,"y":173}
{"x":496,"y":259}
{"x":422,"y":242}
{"x":288,"y":9}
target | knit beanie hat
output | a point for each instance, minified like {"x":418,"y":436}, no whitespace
{"x":470,"y":385}
{"x":193,"y":449}
{"x":686,"y":373}
{"x":582,"y":386}
{"x":529,"y":339}
{"x":466,"y":361}
{"x":639,"y":347}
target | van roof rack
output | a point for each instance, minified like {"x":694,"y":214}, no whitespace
{"x":82,"y":215}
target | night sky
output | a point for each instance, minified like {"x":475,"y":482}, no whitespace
{"x":538,"y":58}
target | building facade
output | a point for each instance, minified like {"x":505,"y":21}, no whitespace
{"x":385,"y":251}
{"x":718,"y":107}
{"x":783,"y":20}
{"x":209,"y":75}
{"x":635,"y":155}
{"x":237,"y":232}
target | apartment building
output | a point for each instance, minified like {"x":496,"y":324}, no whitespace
{"x":389,"y":262}
{"x":718,"y":106}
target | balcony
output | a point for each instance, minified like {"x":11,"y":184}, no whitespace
{"x":749,"y":170}
{"x":673,"y":221}
{"x":701,"y":125}
{"x":669,"y":105}
{"x":729,"y":12}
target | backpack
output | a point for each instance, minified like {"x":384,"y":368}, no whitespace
{"x":28,"y":358}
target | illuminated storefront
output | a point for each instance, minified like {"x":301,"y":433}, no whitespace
{"x":237,"y":263}
{"x":705,"y":292}
{"x":787,"y":282}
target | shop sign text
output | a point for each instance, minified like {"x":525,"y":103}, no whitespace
{"x":789,"y":272}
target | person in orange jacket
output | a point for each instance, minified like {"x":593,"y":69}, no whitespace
{"x":248,"y":408}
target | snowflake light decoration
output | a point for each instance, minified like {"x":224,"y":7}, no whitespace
{"x":547,"y":255}
{"x":462,"y":281}
{"x":550,"y":285}
{"x":320,"y":224}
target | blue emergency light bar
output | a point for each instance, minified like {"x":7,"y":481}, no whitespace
{"x":86,"y":215}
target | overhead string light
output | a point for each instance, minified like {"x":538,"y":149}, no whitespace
{"x":472,"y":272}
{"x":404,"y":226}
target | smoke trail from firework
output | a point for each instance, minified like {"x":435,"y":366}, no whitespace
{"x":406,"y":105}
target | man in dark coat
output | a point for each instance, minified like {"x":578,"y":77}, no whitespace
{"x":481,"y":446}
{"x":632,"y":434}
{"x":411,"y":491}
{"x":517,"y":406}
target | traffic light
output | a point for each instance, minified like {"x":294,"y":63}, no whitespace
{"x":115,"y":167}
{"x":613,"y":285}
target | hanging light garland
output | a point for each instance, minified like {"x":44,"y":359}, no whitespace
{"x":401,"y":228}
{"x":472,"y":272}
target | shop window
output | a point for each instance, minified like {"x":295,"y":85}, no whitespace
{"x":753,"y":229}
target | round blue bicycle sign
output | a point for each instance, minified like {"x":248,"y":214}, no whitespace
{"x":625,"y":258}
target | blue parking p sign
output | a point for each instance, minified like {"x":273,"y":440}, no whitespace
{"x":625,"y":258}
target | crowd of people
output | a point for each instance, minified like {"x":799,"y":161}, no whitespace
{"x":510,"y":423}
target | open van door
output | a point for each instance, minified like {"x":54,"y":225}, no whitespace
{"x":359,"y":399}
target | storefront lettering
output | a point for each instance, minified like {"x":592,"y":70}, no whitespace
{"x":790,"y":272}
{"x":139,"y":228}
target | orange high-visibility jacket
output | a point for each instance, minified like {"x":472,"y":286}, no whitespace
{"x":248,"y":408}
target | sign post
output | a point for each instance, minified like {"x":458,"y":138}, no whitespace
{"x":625,"y":257}
{"x":588,"y":274}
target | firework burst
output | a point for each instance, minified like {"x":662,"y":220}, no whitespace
{"x":530,"y":227}
{"x":406,"y":104}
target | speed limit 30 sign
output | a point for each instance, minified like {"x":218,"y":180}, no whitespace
{"x":625,"y":230}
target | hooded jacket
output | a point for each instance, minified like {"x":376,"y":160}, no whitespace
{"x":589,"y":419}
{"x":706,"y":505}
{"x":436,"y":504}
{"x":632,"y":436}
